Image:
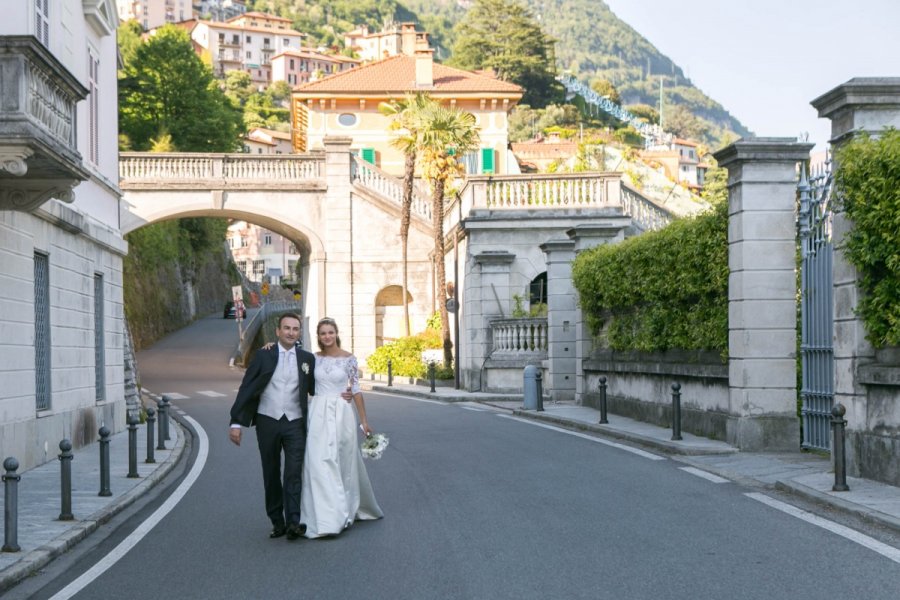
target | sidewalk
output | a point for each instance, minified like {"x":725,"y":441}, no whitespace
{"x":42,"y":536}
{"x":807,"y":475}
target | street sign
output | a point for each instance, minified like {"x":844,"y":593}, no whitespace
{"x":265,"y":288}
{"x":236,"y":294}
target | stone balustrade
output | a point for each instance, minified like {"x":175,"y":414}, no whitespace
{"x":519,"y":338}
{"x":224,"y":171}
{"x":556,"y":191}
{"x":373,"y":178}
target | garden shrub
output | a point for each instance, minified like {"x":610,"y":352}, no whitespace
{"x":666,"y":289}
{"x":868,"y":185}
{"x":406,"y":355}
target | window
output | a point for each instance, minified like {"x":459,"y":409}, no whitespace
{"x":99,"y":343}
{"x":286,"y":41}
{"x":243,"y":241}
{"x":267,"y":239}
{"x":235,"y":39}
{"x":259,"y":267}
{"x":368,"y":155}
{"x":42,"y":330}
{"x":42,"y":21}
{"x":347,"y":119}
{"x":249,"y":39}
{"x":487,"y":161}
{"x":249,"y":55}
{"x":292,"y":64}
{"x":93,"y":107}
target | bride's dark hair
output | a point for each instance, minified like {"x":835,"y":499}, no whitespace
{"x":327,"y":321}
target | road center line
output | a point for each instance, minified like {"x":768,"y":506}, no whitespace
{"x":888,"y":552}
{"x":641,"y":453}
{"x":144,"y":528}
{"x":704,"y":475}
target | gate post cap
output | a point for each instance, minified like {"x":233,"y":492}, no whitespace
{"x":838,"y":410}
{"x":65,"y":445}
{"x":11,"y":464}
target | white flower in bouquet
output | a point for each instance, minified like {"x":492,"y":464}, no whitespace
{"x":374,"y":444}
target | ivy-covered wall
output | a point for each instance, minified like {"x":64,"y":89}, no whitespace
{"x":663,"y":290}
{"x":175,"y":272}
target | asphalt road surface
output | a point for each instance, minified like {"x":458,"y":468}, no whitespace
{"x":478,"y":505}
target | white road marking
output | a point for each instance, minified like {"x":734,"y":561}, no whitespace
{"x":473,"y":409}
{"x":211,"y":394}
{"x":175,"y":396}
{"x":703,"y":474}
{"x":425,"y":400}
{"x":888,"y":552}
{"x":144,"y":528}
{"x":641,"y":453}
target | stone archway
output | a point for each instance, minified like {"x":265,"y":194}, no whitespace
{"x":389,"y":314}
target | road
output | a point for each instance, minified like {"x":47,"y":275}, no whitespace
{"x":478,"y":505}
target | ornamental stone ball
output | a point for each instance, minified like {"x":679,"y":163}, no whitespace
{"x":11,"y":464}
{"x":104,"y":431}
{"x":65,"y":445}
{"x":838,"y":411}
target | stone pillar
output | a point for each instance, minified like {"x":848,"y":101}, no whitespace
{"x":586,"y":237}
{"x":859,"y":105}
{"x":338,"y":241}
{"x":487,"y":297}
{"x":762,"y":290}
{"x":561,"y":318}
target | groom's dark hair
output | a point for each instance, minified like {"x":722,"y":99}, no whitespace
{"x":290,"y":315}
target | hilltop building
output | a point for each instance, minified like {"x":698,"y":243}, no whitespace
{"x":680,"y":161}
{"x":296,"y":66}
{"x":394,"y":39}
{"x":261,"y":254}
{"x":62,"y":359}
{"x":260,"y":140}
{"x":246,"y":43}
{"x":346,"y":104}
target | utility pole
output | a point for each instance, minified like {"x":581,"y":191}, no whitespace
{"x":661,"y":103}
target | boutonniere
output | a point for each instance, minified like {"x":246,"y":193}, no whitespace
{"x":305,"y":368}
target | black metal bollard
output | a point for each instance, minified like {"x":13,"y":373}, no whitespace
{"x":603,"y":420}
{"x":151,"y":421}
{"x":11,"y":506}
{"x":838,"y":423}
{"x":65,"y":480}
{"x":164,"y":419}
{"x":104,"y":462}
{"x":539,"y":384}
{"x":431,"y":374}
{"x":161,"y":419}
{"x":132,"y":450}
{"x":676,"y":411}
{"x":390,"y":373}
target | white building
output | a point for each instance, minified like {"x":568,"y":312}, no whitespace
{"x":297,"y":66}
{"x":154,"y":13}
{"x":246,"y":43}
{"x":61,"y":250}
{"x":260,"y":140}
{"x":262,"y":254}
{"x":394,"y":39}
{"x":219,"y":10}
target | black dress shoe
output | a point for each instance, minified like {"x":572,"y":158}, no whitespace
{"x":295,"y":530}
{"x":277,"y":531}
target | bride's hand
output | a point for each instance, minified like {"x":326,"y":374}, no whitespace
{"x":365,"y":428}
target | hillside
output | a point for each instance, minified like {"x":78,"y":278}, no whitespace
{"x":592,"y":42}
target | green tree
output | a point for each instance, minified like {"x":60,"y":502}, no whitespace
{"x":166,"y":88}
{"x":604,"y":87}
{"x":503,"y":35}
{"x":446,"y":133}
{"x":644,"y":111}
{"x":128,"y":37}
{"x":406,"y":118}
{"x":238,"y":87}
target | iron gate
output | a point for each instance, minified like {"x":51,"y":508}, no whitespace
{"x":816,"y":311}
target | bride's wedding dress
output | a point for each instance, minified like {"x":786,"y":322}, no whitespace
{"x":336,"y":487}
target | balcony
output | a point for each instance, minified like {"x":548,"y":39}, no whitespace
{"x":39,"y":159}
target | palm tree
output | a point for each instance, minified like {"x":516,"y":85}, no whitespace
{"x":407,"y":115}
{"x":445,"y":134}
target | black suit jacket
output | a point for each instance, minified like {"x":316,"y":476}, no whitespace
{"x":257,"y":377}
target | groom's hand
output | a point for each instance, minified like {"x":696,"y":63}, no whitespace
{"x":234,"y":434}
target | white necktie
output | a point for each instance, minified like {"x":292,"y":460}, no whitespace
{"x":288,"y":355}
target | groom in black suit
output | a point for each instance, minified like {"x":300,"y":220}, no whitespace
{"x":274,"y":396}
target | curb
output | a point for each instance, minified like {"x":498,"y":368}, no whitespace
{"x":486,"y":399}
{"x":851,"y":508}
{"x":43,"y":555}
{"x":662,"y":445}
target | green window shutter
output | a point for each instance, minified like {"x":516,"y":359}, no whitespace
{"x":368,"y":155}
{"x":487,"y":161}
{"x":451,"y":151}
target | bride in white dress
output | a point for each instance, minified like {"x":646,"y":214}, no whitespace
{"x":336,"y":487}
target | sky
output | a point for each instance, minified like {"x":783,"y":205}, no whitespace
{"x":765,"y":60}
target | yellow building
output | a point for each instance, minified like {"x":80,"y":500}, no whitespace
{"x":346,"y":104}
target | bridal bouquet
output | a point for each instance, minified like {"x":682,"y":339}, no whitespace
{"x":374,"y":444}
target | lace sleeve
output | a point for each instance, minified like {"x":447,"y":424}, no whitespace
{"x":353,"y":374}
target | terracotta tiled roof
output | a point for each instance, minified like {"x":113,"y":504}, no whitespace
{"x":259,"y":15}
{"x":215,"y":25}
{"x":397,"y":74}
{"x":310,"y":53}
